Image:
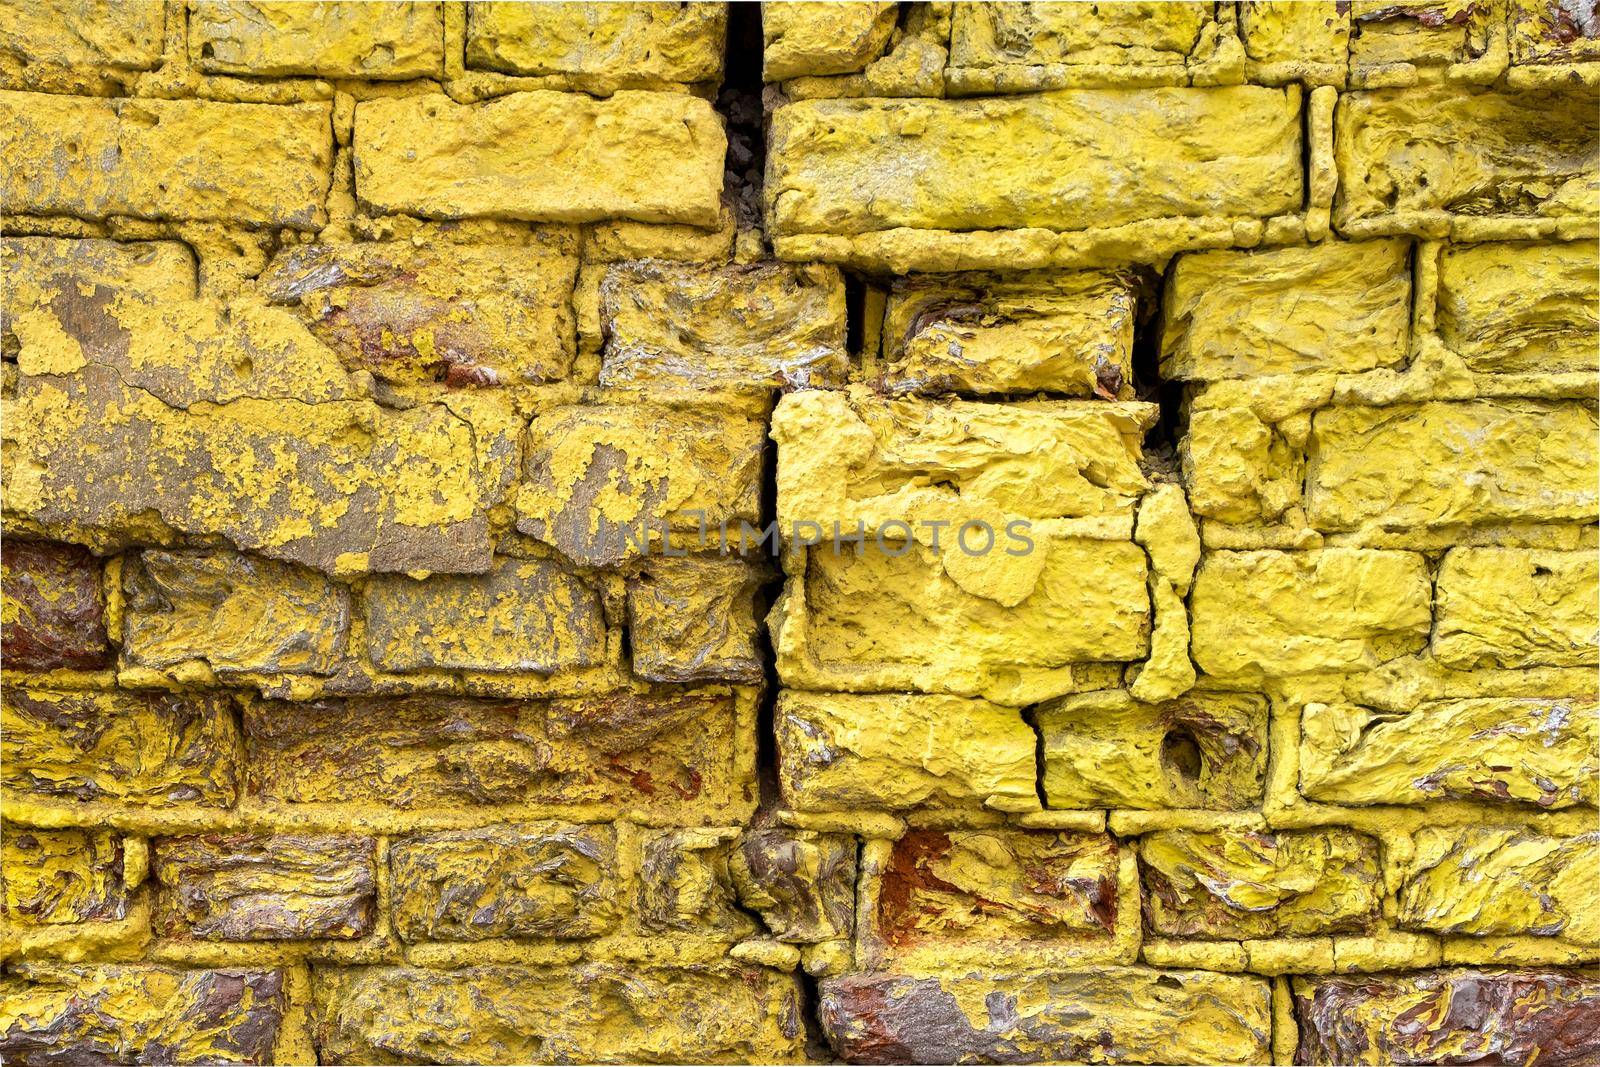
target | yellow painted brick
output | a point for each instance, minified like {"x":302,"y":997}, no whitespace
{"x":1506,"y":607}
{"x":613,"y":45}
{"x":77,"y":46}
{"x":1517,"y":308}
{"x":333,"y":40}
{"x":805,"y":39}
{"x":55,"y":877}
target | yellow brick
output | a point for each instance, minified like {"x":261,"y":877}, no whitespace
{"x":1415,"y":466}
{"x":895,"y":751}
{"x":1119,"y":33}
{"x":1535,"y":751}
{"x":1506,"y":607}
{"x":56,"y":877}
{"x":1519,"y":308}
{"x":1295,"y":31}
{"x":334,"y":40}
{"x":804,"y":39}
{"x":78,"y":46}
{"x":1489,"y":880}
{"x":543,"y":157}
{"x":259,"y":164}
{"x":37,"y":270}
{"x":1059,"y":161}
{"x":1238,"y":468}
{"x":1542,"y":32}
{"x":1430,"y":34}
{"x":613,"y":45}
{"x":1270,"y":614}
{"x":1342,"y":307}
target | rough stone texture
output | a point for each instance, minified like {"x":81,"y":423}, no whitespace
{"x":995,"y":890}
{"x":802,"y":883}
{"x":595,"y":1013}
{"x":1203,"y":750}
{"x":1114,"y":34}
{"x":906,"y":621}
{"x":1506,"y":607}
{"x":1332,"y":307}
{"x":1073,"y":160}
{"x":264,"y":887}
{"x":1514,"y":1017}
{"x":804,"y":39}
{"x":233,"y":612}
{"x":1553,"y":31}
{"x":41,"y":270}
{"x":142,"y":1014}
{"x":258,"y":164}
{"x":542,"y":157}
{"x":694,"y":619}
{"x":1489,"y":880}
{"x":744,"y":326}
{"x":656,"y":753}
{"x":1261,"y":614}
{"x":1296,"y":34}
{"x":896,"y":751}
{"x":1390,"y":38}
{"x":1522,"y":750}
{"x":1239,"y":468}
{"x":1420,"y":465}
{"x":1109,"y":1015}
{"x":54,"y":877}
{"x":1070,"y":334}
{"x":627,"y":46}
{"x":142,"y":749}
{"x":529,"y":615}
{"x":555,"y":880}
{"x":600,"y":482}
{"x":1515,"y":308}
{"x":462,"y":314}
{"x":71,"y":46}
{"x":686,"y":885}
{"x":1242,"y":884}
{"x":1442,"y":151}
{"x":53,"y":611}
{"x":399,"y":40}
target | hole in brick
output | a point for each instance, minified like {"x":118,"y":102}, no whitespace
{"x":1181,"y":753}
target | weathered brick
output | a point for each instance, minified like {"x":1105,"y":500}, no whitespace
{"x":883,"y":621}
{"x":1332,"y":307}
{"x":135,"y":1013}
{"x":1203,"y":750}
{"x":1059,"y":161}
{"x":38,"y":271}
{"x":751,"y":326}
{"x":264,"y":887}
{"x":594,"y":1013}
{"x":1384,"y":36}
{"x":686,"y":886}
{"x":839,"y":752}
{"x":136,"y":421}
{"x":1507,"y":881}
{"x":1238,"y":468}
{"x":997,"y":890}
{"x":600,"y":482}
{"x":54,"y":877}
{"x":396,"y":40}
{"x":479,"y":314}
{"x":1108,"y":1015}
{"x":914,"y":459}
{"x":147,"y":749}
{"x":1295,"y":32}
{"x":1553,"y":31}
{"x":1264,"y":614}
{"x":810,"y":39}
{"x":1518,"y":308}
{"x":233,"y":612}
{"x":1223,"y":884}
{"x":1437,"y":151}
{"x":802,"y":883}
{"x":1507,"y":607}
{"x":611,"y":45}
{"x":556,"y":880}
{"x":70,"y":46}
{"x":524,"y":615}
{"x":1004,"y":35}
{"x":543,"y":157}
{"x":53,"y":615}
{"x":1504,"y":749}
{"x":1070,"y":334}
{"x":694,"y":619}
{"x":259,"y":164}
{"x":1515,"y":1017}
{"x":1434,"y":464}
{"x":670,"y":754}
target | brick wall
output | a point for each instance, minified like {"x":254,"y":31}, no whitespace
{"x":341,"y":341}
